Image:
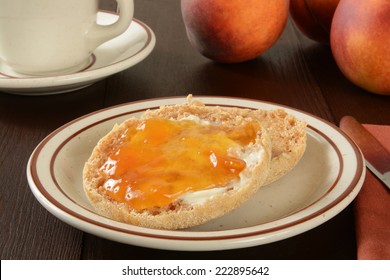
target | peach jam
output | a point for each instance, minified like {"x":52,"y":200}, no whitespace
{"x":159,"y":160}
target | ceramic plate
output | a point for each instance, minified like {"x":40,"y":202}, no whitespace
{"x":326,"y":180}
{"x":118,"y":54}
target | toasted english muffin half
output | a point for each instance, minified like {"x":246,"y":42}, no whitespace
{"x":288,"y":138}
{"x":190,"y":208}
{"x":286,"y":132}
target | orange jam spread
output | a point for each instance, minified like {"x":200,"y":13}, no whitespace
{"x":159,"y":160}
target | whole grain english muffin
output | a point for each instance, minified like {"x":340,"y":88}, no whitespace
{"x":288,"y":138}
{"x":287,"y":133}
{"x":178,"y":166}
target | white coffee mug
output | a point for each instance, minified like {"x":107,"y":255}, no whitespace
{"x":52,"y":37}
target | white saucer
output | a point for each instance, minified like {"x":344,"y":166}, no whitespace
{"x":116,"y":55}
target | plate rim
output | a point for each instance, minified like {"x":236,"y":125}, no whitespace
{"x":348,"y":193}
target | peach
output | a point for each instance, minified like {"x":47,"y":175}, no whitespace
{"x":235,"y":30}
{"x":314,"y":17}
{"x":360,"y":43}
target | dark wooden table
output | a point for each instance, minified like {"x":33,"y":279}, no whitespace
{"x":295,"y":72}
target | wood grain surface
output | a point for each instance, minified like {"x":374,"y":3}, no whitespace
{"x":296,"y":72}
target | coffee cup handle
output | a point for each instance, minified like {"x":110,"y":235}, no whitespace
{"x":99,"y":34}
